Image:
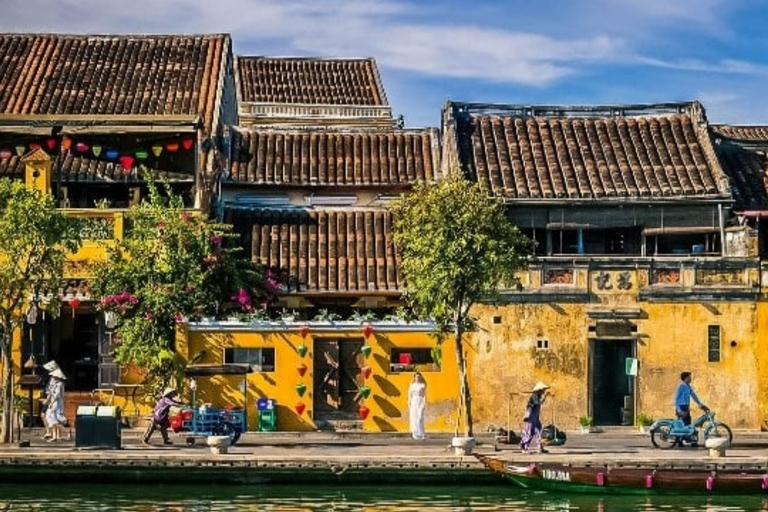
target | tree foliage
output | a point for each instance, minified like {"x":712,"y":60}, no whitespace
{"x":457,"y":247}
{"x":35,"y":240}
{"x":173,"y":265}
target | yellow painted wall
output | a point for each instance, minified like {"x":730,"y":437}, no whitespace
{"x":387,"y":401}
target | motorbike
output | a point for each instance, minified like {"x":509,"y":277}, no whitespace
{"x":670,"y":432}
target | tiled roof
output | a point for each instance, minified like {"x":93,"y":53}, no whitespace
{"x":76,"y":168}
{"x":748,"y":172}
{"x":309,"y":81}
{"x":743,"y":133}
{"x":517,"y":152}
{"x":309,"y":158}
{"x":325,"y":250}
{"x":155,"y":75}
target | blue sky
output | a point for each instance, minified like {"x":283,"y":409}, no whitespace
{"x":544,"y":52}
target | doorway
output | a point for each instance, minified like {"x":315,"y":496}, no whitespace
{"x":336,"y":378}
{"x":611,"y":390}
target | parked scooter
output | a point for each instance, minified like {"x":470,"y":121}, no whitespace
{"x":668,"y":433}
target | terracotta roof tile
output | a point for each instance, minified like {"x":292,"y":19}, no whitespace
{"x":743,"y":133}
{"x":588,"y":153}
{"x":325,"y":250}
{"x":309,"y":81}
{"x":748,"y":172}
{"x":317,"y":158}
{"x":156,"y":75}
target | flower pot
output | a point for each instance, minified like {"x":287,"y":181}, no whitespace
{"x":463,"y":445}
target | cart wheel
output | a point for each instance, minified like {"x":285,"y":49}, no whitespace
{"x":190,"y":441}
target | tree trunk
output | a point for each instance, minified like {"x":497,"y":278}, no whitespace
{"x":465,"y":394}
{"x":7,"y":390}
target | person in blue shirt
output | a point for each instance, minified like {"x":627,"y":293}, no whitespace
{"x":683,"y":397}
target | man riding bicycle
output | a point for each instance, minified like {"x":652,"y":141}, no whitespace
{"x":683,"y":397}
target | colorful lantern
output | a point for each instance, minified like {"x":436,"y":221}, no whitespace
{"x":304,"y":331}
{"x":66,"y":142}
{"x":74,"y":304}
{"x":302,"y":350}
{"x":50,"y":143}
{"x":112,"y":154}
{"x":187,"y":144}
{"x":34,"y":145}
{"x":96,"y":149}
{"x":156,"y":150}
{"x":363,"y":412}
{"x":20,"y":150}
{"x":172,"y":147}
{"x":367,"y":330}
{"x":302,"y":369}
{"x":126,"y":161}
{"x":365,"y":371}
{"x":300,"y":408}
{"x":366,"y":350}
{"x":365,"y":391}
{"x":142,"y":155}
{"x":81,"y":147}
{"x":5,"y":154}
{"x":301,"y":389}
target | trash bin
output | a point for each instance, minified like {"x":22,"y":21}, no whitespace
{"x":266,"y":415}
{"x":97,"y":426}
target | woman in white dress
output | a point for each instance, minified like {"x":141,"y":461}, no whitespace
{"x":417,"y":403}
{"x":54,"y":413}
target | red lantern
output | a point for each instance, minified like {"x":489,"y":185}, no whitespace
{"x":126,"y":161}
{"x":172,"y":147}
{"x":300,"y":407}
{"x":50,"y":142}
{"x":302,"y":369}
{"x":81,"y":147}
{"x":363,"y":412}
{"x":367,"y":330}
{"x":365,"y":371}
{"x":187,"y":144}
{"x":74,"y":303}
{"x":304,"y":331}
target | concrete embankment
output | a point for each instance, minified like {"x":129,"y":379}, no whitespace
{"x":336,"y":458}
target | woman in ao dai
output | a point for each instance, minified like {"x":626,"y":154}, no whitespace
{"x":417,"y":403}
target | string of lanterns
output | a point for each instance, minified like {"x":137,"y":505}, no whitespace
{"x":301,"y":388}
{"x":127,"y":158}
{"x":365,"y":371}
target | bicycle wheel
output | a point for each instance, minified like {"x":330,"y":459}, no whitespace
{"x":718,"y":429}
{"x":661,"y":438}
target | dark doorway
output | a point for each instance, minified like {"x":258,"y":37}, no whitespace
{"x":337,"y":371}
{"x":74,"y":344}
{"x":611,"y":389}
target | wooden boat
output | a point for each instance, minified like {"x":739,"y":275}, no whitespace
{"x":608,"y":479}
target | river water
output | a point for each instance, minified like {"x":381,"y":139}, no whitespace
{"x":180,"y":498}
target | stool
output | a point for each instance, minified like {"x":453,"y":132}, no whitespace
{"x":219,"y":444}
{"x":717,"y":446}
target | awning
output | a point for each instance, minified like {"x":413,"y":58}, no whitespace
{"x":680,"y":230}
{"x":201,"y":370}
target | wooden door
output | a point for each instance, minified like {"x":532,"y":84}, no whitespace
{"x":336,"y":376}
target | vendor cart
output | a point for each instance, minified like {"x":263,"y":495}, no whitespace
{"x":204,"y":421}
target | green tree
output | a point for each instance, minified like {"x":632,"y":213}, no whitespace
{"x":457,"y":247}
{"x":171,"y":265}
{"x":35,"y":240}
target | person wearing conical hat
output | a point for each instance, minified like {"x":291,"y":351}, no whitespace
{"x":160,"y":417}
{"x":532,"y":420}
{"x":50,"y":366}
{"x":54,"y":413}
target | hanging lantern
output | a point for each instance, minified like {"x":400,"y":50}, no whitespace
{"x":363,"y":412}
{"x":367,"y":330}
{"x":301,"y":389}
{"x":302,"y":369}
{"x":34,"y":145}
{"x":156,"y":150}
{"x":365,"y":371}
{"x":304,"y":331}
{"x":126,"y":161}
{"x":81,"y":147}
{"x":109,"y":319}
{"x":20,"y":150}
{"x":141,"y":154}
{"x":32,"y":314}
{"x":172,"y":147}
{"x":112,"y":154}
{"x":96,"y":149}
{"x":66,"y":142}
{"x":302,"y":350}
{"x":365,"y":391}
{"x":366,"y":350}
{"x":300,"y":408}
{"x":5,"y":154}
{"x":74,"y":304}
{"x":50,"y":143}
{"x":187,"y":144}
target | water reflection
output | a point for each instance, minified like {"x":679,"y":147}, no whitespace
{"x":357,"y":499}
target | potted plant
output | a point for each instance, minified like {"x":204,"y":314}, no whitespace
{"x":586,"y":424}
{"x":644,"y":421}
